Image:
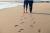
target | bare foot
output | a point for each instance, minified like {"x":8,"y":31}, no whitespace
{"x":26,"y":12}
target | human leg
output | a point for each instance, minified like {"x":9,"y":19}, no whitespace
{"x":30,"y":7}
{"x":26,"y":6}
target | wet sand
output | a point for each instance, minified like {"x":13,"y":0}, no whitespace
{"x":13,"y":20}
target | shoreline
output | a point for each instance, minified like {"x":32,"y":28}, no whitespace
{"x":7,"y":5}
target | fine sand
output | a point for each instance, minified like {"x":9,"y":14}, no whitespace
{"x":13,"y":20}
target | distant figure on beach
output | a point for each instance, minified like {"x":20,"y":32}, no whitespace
{"x":26,"y":2}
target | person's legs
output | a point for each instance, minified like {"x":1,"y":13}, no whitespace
{"x":30,"y":7}
{"x":25,"y":6}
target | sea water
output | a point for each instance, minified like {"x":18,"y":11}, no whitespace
{"x":7,"y":5}
{"x":11,"y":4}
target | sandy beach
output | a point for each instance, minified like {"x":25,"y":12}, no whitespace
{"x":13,"y":20}
{"x":38,"y":21}
{"x":7,"y":20}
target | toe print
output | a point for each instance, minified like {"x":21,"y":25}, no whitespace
{"x":21,"y":29}
{"x":25,"y":17}
{"x":34,"y":22}
{"x":31,"y":26}
{"x":21,"y":19}
{"x":16,"y":25}
{"x":39,"y":30}
{"x":21,"y":22}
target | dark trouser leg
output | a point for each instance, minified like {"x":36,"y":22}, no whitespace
{"x":30,"y":7}
{"x":26,"y":7}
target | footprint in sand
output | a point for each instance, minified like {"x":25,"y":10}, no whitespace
{"x":16,"y":25}
{"x":22,"y":22}
{"x":25,"y":17}
{"x":34,"y":22}
{"x":39,"y":30}
{"x":21,"y":19}
{"x":20,"y":30}
{"x":31,"y":26}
